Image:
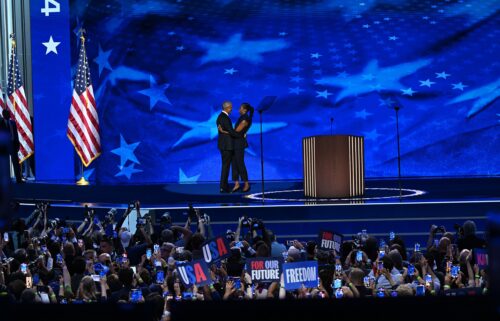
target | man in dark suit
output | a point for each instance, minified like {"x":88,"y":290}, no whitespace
{"x":8,"y":126}
{"x":225,"y":143}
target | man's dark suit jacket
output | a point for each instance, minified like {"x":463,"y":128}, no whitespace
{"x":10,"y":129}
{"x":225,"y":142}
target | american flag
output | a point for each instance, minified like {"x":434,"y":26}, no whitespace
{"x":83,"y":122}
{"x":18,"y":106}
{"x":2,"y":102}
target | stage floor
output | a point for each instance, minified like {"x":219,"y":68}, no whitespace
{"x":276,"y":193}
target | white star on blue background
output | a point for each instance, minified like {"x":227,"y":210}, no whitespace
{"x":230,"y":71}
{"x":296,"y":90}
{"x":442,"y":75}
{"x":126,"y":151}
{"x":235,"y":47}
{"x":127,"y":171}
{"x":156,"y":93}
{"x":362,"y":114}
{"x":426,"y":83}
{"x":459,"y":86}
{"x":323,"y":94}
{"x":51,"y":46}
{"x":484,"y":96}
{"x":102,"y":60}
{"x":408,"y":91}
{"x":389,"y":77}
{"x":372,"y":135}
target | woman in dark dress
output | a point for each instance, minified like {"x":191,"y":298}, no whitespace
{"x":238,"y":163}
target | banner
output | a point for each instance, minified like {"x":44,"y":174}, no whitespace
{"x":300,"y":273}
{"x":328,"y":241}
{"x":194,"y":273}
{"x":216,"y":249}
{"x":481,"y":258}
{"x":264,"y":269}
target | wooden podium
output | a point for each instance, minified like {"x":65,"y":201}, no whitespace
{"x":333,"y":166}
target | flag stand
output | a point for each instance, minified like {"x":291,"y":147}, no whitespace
{"x":82,"y":181}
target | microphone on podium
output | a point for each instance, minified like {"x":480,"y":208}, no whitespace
{"x":331,"y":125}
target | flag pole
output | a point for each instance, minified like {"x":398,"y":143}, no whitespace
{"x":82,"y":181}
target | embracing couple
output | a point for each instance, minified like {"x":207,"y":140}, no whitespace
{"x":232,"y":143}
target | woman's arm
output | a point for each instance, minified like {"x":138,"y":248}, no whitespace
{"x":242,"y":126}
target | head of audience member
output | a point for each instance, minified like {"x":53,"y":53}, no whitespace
{"x":126,"y":277}
{"x":166,"y":250}
{"x":388,"y":263}
{"x":397,"y":259}
{"x":469,"y":228}
{"x":263,"y":250}
{"x":87,"y":289}
{"x":167,"y":236}
{"x":402,"y":247}
{"x":371,"y":248}
{"x":30,"y":296}
{"x":106,"y":245}
{"x":404,"y":290}
{"x":356,"y":276}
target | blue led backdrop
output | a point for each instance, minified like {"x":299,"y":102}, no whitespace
{"x":161,"y":70}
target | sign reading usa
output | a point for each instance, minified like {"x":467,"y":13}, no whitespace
{"x":216,"y":249}
{"x":329,"y":241}
{"x":300,"y":273}
{"x":264,"y":269}
{"x":481,"y":257}
{"x":194,"y":273}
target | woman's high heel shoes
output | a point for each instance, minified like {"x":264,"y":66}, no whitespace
{"x":235,"y":189}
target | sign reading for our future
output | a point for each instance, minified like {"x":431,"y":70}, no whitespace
{"x":194,"y":273}
{"x":300,"y":273}
{"x":215,"y":250}
{"x":264,"y":269}
{"x":330,"y":241}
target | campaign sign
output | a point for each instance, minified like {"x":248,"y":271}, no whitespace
{"x":264,"y":269}
{"x":216,"y":249}
{"x":194,"y":273}
{"x":481,"y":257}
{"x":300,"y":273}
{"x":329,"y":241}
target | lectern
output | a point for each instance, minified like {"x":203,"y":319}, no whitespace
{"x":333,"y":166}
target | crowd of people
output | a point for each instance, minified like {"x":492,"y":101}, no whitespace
{"x":100,"y":260}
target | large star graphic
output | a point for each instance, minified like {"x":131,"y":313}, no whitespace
{"x":235,"y":47}
{"x":388,"y":77}
{"x":155,"y":93}
{"x":127,"y":171}
{"x":51,"y":46}
{"x":202,"y":131}
{"x":102,"y":60}
{"x":126,"y":151}
{"x":484,"y":96}
{"x":183,"y":179}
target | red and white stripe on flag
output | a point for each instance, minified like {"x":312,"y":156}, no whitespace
{"x":83,"y":126}
{"x":2,"y":102}
{"x":18,"y":106}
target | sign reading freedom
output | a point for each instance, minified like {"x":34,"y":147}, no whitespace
{"x":264,"y":269}
{"x":300,"y":273}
